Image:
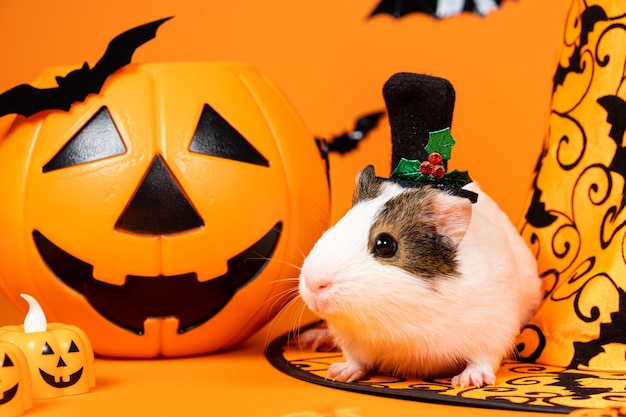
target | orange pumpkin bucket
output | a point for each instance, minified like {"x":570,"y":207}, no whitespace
{"x":162,"y":215}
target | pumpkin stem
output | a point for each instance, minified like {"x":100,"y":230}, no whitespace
{"x":35,"y":320}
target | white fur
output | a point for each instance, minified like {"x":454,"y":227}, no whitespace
{"x":385,"y":319}
{"x":446,"y":8}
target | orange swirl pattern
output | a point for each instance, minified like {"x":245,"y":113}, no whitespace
{"x":518,"y":386}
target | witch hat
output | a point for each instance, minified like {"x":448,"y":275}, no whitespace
{"x":572,"y":353}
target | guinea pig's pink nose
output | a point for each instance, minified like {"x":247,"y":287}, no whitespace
{"x":318,"y":286}
{"x":315,"y":293}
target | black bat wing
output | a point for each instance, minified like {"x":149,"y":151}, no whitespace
{"x":349,"y":140}
{"x":400,"y":8}
{"x":611,"y":332}
{"x":590,"y":16}
{"x":121,"y":49}
{"x":27,"y":100}
{"x":537,"y":215}
{"x":75,"y":86}
{"x":615,"y":108}
{"x":366,"y":123}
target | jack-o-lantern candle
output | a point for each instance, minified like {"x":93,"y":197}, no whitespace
{"x":60,"y":357}
{"x":16,"y":394}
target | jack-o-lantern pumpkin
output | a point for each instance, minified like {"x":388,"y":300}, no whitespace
{"x":163,"y":215}
{"x":60,"y":356}
{"x":16,"y":394}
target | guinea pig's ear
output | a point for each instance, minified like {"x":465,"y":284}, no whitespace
{"x":452,"y":216}
{"x":367,"y":185}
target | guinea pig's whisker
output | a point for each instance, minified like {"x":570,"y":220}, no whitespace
{"x":285,"y":295}
{"x":283,"y":298}
{"x":296,"y":266}
{"x":296,"y":323}
{"x":292,"y":302}
{"x":317,"y":215}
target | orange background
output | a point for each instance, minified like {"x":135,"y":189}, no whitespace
{"x":331,"y":62}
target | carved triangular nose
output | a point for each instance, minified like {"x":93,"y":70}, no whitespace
{"x":159,"y":206}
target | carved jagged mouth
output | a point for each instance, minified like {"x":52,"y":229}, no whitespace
{"x":140,"y":298}
{"x":74,"y":378}
{"x":9,"y":394}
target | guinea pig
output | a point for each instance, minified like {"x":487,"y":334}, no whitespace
{"x":417,"y":282}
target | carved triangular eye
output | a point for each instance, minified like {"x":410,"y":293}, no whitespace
{"x":46,"y":349}
{"x":73,"y":348}
{"x":98,"y":139}
{"x":159,"y":206}
{"x":7,"y":361}
{"x":216,"y":137}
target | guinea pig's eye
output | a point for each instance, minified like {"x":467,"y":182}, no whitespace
{"x":385,"y":246}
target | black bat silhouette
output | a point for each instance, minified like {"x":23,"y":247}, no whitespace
{"x":579,"y":384}
{"x":616,"y":108}
{"x":611,"y":332}
{"x":400,"y":8}
{"x":75,"y":86}
{"x":537,"y":215}
{"x":347,"y":141}
{"x":590,"y":16}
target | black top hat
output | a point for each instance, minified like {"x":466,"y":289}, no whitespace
{"x":420,"y":109}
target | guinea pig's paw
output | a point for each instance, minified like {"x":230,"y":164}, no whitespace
{"x":346,"y":371}
{"x":315,"y":339}
{"x":475,"y":374}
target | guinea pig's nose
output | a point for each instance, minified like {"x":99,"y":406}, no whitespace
{"x":318,"y":286}
{"x":314,"y":292}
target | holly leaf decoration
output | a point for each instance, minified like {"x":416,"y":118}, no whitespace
{"x":456,"y":179}
{"x":409,"y":169}
{"x":440,"y":141}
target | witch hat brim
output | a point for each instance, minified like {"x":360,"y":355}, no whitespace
{"x":519,"y":386}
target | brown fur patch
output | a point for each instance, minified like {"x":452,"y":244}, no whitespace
{"x":409,"y":219}
{"x":367,"y":185}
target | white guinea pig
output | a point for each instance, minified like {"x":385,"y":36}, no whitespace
{"x":414,"y":281}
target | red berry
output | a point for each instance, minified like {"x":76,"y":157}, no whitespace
{"x":438,"y":171}
{"x":426,"y":168}
{"x":435,"y":158}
